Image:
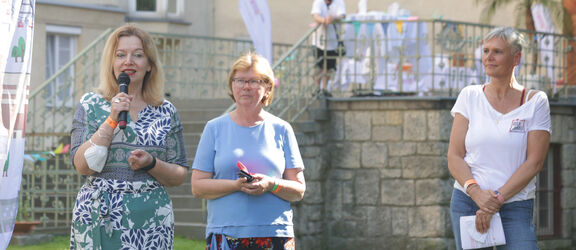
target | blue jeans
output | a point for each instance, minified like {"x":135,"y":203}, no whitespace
{"x":516,"y":217}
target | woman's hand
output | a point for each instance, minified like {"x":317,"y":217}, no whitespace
{"x":119,"y":103}
{"x":261,"y":184}
{"x":483,"y":221}
{"x":139,"y":158}
{"x":486,"y":200}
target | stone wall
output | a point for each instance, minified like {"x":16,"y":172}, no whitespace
{"x":377,"y":175}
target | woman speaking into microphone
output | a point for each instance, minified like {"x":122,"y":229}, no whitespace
{"x":123,"y":203}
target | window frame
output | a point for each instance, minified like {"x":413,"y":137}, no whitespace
{"x":161,"y":10}
{"x":553,"y":162}
{"x":52,"y":57}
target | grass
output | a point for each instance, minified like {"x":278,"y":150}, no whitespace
{"x":63,"y":243}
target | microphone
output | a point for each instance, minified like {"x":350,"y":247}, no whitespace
{"x":123,"y":81}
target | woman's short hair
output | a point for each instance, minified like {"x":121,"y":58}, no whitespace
{"x":259,"y":66}
{"x":514,"y":38}
{"x":153,"y":84}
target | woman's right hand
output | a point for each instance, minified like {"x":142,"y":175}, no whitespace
{"x":120,"y":102}
{"x":486,"y":200}
{"x":482,"y":221}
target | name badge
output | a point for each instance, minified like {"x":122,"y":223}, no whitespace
{"x":518,"y":126}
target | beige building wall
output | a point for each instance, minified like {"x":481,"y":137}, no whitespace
{"x":92,"y":23}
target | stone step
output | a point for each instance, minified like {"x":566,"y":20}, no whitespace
{"x":193,"y":126}
{"x":183,"y":189}
{"x":191,"y":152}
{"x":306,"y":126}
{"x":190,"y":230}
{"x":200,"y":115}
{"x":189,"y":215}
{"x":186,"y":201}
{"x":222,"y":103}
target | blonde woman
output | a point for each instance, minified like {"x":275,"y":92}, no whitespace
{"x":500,"y":136}
{"x":123,"y":204}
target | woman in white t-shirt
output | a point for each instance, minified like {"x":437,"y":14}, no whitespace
{"x":499,"y":139}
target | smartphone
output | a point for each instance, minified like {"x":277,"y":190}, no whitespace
{"x":244,"y":172}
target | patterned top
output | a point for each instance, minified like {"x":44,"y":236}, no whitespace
{"x":157,"y":131}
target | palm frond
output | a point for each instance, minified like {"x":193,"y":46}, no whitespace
{"x":492,"y":6}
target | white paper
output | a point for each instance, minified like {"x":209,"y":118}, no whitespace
{"x":472,"y":239}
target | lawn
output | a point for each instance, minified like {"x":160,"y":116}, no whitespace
{"x":63,"y":243}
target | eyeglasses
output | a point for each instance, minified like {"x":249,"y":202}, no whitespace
{"x":252,"y":82}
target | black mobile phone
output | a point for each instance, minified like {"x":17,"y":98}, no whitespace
{"x":242,"y":173}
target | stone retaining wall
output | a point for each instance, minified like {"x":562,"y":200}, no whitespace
{"x":377,"y":175}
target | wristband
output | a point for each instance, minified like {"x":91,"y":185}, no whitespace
{"x":275,"y":186}
{"x":468,"y":183}
{"x":111,"y":123}
{"x":151,"y":165}
{"x":499,"y":196}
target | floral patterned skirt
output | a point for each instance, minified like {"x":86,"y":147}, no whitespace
{"x":214,"y":242}
{"x":113,"y":214}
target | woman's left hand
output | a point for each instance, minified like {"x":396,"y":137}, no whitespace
{"x":139,"y":158}
{"x":261,"y":184}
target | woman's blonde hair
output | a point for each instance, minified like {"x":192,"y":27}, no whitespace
{"x":260,"y":66}
{"x":514,"y":38}
{"x":153,"y":84}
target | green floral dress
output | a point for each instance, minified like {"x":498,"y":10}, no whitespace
{"x":119,"y":208}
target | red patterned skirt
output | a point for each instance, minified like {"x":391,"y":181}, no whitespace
{"x":257,"y":243}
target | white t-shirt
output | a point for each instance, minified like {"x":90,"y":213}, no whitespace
{"x":496,"y":143}
{"x":336,"y":9}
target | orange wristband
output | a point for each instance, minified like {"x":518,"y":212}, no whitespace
{"x":468,"y":183}
{"x":276,"y":188}
{"x":111,"y":123}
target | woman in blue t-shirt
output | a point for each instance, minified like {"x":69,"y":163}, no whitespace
{"x":246,"y":213}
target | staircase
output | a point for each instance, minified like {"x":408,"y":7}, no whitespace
{"x":190,"y":212}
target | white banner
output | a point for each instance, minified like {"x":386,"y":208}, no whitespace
{"x":17,"y":29}
{"x":256,"y":15}
{"x":543,"y":23}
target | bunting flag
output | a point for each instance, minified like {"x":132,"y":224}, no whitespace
{"x":17,"y":29}
{"x":256,"y":15}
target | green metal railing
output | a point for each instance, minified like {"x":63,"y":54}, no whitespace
{"x":198,"y":67}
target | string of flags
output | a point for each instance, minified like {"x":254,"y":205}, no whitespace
{"x":43,"y":156}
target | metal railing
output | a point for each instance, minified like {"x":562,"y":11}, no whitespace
{"x":196,"y":68}
{"x":439,"y":58}
{"x":414,"y":58}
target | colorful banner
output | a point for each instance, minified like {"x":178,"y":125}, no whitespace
{"x":256,"y":15}
{"x":17,"y":29}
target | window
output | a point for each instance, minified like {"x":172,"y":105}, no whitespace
{"x":61,"y":43}
{"x":547,"y":203}
{"x":172,"y":7}
{"x":146,"y":5}
{"x":156,"y":8}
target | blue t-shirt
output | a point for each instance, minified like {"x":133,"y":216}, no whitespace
{"x":268,"y":148}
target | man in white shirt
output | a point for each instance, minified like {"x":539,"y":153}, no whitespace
{"x":326,"y":13}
